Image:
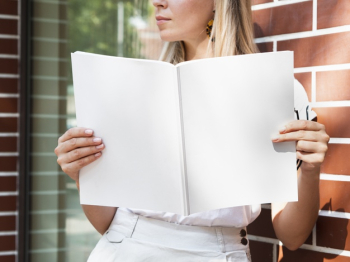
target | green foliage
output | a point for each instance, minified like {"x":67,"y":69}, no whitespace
{"x":93,"y":26}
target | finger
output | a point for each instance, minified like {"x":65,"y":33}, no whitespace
{"x":75,"y":132}
{"x":79,"y":153}
{"x":311,"y":147}
{"x":72,"y":169}
{"x":311,"y":158}
{"x":298,"y":135}
{"x":297,"y":125}
{"x":74,"y":143}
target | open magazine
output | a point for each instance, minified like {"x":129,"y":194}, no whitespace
{"x":187,"y":138}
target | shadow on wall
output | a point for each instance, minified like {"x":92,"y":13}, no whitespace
{"x":330,"y":232}
{"x":263,"y":47}
{"x":317,"y":51}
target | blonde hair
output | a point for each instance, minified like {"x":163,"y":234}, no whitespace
{"x":232,"y":30}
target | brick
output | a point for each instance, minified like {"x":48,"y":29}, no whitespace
{"x":262,"y":226}
{"x":47,"y":183}
{"x":8,"y":124}
{"x":265,"y":47}
{"x":54,"y":255}
{"x":8,"y":164}
{"x":51,"y":30}
{"x":50,"y":10}
{"x":335,"y":119}
{"x":8,"y":27}
{"x":333,"y":85}
{"x":257,"y":2}
{"x":8,"y":66}
{"x":332,"y":232}
{"x":318,"y":50}
{"x":8,"y":144}
{"x":260,"y":251}
{"x":48,"y":202}
{"x":49,"y":49}
{"x":8,"y":204}
{"x":331,"y":13}
{"x":9,"y":46}
{"x":8,"y":105}
{"x":335,"y":195}
{"x":48,"y":240}
{"x":9,"y":85}
{"x":7,"y":243}
{"x":337,"y":160}
{"x":8,"y":7}
{"x":301,"y":255}
{"x":50,"y":68}
{"x":305,"y":80}
{"x":8,"y":183}
{"x":7,"y":223}
{"x":8,"y":259}
{"x":284,"y":19}
{"x":44,"y":221}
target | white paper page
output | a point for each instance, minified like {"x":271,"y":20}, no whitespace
{"x":133,"y":106}
{"x":231,"y":107}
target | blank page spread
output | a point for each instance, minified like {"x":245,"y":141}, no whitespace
{"x":133,"y":106}
{"x":231,"y":107}
{"x":187,"y":138}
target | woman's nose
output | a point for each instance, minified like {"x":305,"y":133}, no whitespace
{"x":160,"y":3}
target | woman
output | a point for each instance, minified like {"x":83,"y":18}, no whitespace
{"x":217,"y":235}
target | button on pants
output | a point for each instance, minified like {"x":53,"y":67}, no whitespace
{"x":134,"y":238}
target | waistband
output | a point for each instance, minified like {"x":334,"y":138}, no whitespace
{"x":220,"y":239}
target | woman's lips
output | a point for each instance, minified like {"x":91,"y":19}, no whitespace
{"x":161,"y":20}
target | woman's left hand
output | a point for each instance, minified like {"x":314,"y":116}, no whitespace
{"x":311,"y":142}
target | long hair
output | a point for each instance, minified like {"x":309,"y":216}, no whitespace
{"x":232,"y":30}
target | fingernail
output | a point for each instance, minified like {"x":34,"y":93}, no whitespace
{"x":275,"y":137}
{"x":282,"y":129}
{"x":100,"y":146}
{"x":98,"y":154}
{"x":97,"y":139}
{"x":88,"y":131}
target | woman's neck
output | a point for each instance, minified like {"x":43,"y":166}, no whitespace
{"x":196,"y":49}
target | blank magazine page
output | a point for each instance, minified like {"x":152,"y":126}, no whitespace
{"x":231,"y":107}
{"x":133,"y":106}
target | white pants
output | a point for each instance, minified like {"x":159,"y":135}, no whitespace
{"x":136,"y":238}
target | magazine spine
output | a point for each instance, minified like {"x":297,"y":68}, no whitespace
{"x":183,"y":150}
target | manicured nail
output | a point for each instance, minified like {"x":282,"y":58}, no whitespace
{"x":275,"y":137}
{"x":282,"y":129}
{"x":100,"y":146}
{"x":97,"y":139}
{"x":98,"y":154}
{"x":88,"y":131}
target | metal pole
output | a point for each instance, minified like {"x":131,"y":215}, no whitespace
{"x":120,"y":36}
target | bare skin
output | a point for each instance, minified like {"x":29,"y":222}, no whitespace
{"x":76,"y":148}
{"x":293,"y":221}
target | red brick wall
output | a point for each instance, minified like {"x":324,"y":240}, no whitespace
{"x":9,"y":97}
{"x":318,"y":32}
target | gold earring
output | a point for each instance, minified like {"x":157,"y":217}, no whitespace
{"x":210,"y":27}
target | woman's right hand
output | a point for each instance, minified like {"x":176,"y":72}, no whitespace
{"x":76,"y":148}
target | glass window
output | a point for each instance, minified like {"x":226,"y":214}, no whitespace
{"x":59,"y":229}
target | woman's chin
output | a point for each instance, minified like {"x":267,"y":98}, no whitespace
{"x":167,"y":37}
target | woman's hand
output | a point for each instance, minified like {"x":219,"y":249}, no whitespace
{"x":294,"y":221}
{"x":311,"y":139}
{"x":76,"y":148}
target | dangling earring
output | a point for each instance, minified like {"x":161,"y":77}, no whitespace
{"x":210,"y":27}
